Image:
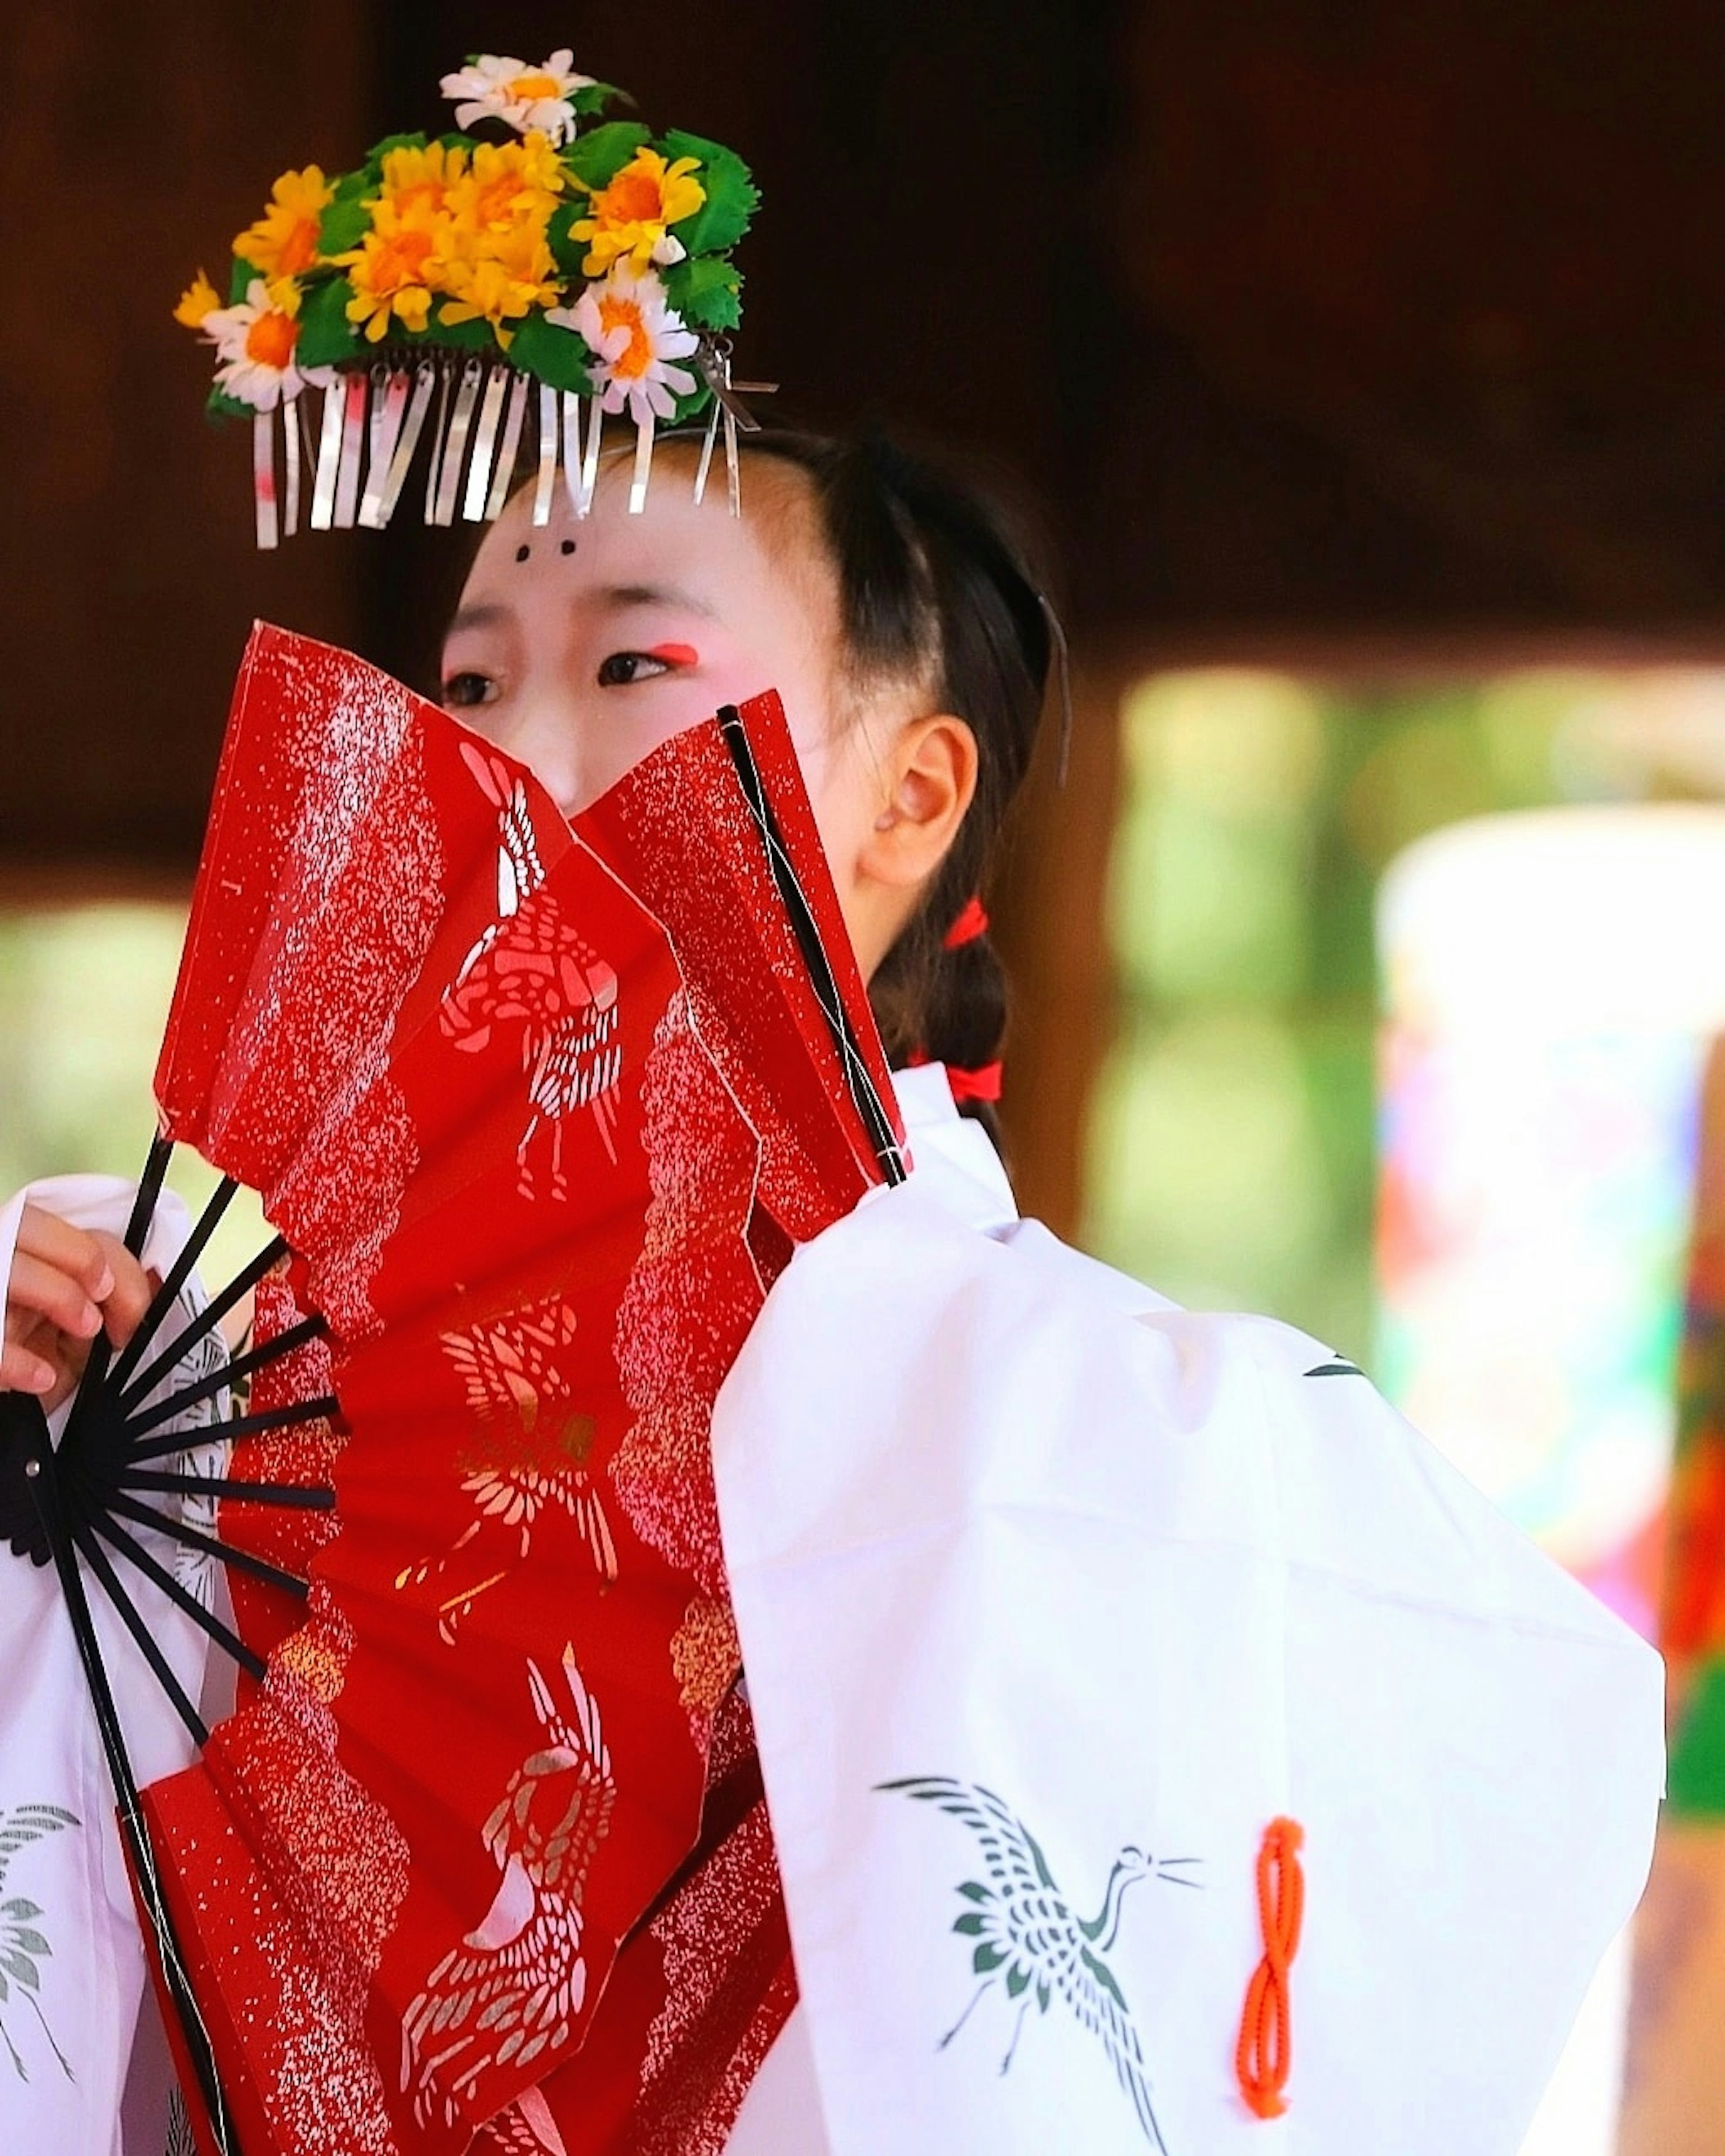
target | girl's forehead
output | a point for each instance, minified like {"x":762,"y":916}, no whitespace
{"x":675,"y":544}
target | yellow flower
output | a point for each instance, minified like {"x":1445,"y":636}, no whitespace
{"x":629,"y":217}
{"x":197,"y":302}
{"x":507,"y":181}
{"x":393,"y":271}
{"x":416,"y":180}
{"x":501,"y":282}
{"x":284,"y":240}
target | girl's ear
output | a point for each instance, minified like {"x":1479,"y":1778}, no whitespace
{"x":930,"y":773}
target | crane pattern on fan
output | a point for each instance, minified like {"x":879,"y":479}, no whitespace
{"x":530,"y":1448}
{"x":518,"y":1099}
{"x":517,"y":1980}
{"x":529,"y":967}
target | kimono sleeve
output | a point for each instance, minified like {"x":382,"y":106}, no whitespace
{"x":1047,"y":1614}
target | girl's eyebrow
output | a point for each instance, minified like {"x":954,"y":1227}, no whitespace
{"x":621,"y":596}
{"x":479,"y":617}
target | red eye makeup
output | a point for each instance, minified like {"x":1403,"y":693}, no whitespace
{"x":675,"y":655}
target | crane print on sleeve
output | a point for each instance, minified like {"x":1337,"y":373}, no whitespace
{"x":530,"y":968}
{"x":512,"y":1987}
{"x":22,"y":1947}
{"x":1031,"y":1941}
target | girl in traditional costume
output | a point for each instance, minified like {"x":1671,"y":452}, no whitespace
{"x":1163,"y":1748}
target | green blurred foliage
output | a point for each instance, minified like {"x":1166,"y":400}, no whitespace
{"x":1231,"y":1146}
{"x":84,"y":995}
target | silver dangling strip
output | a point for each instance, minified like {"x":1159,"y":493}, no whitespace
{"x":440,"y":436}
{"x":572,"y":449}
{"x":353,"y":436}
{"x":388,"y":413}
{"x":329,"y":457}
{"x":547,"y":453}
{"x":706,"y":466}
{"x":263,"y":477}
{"x":503,"y":474}
{"x":290,"y":459}
{"x":449,"y":483}
{"x":733,"y":463}
{"x":590,"y":462}
{"x":644,"y":465}
{"x":425,"y":384}
{"x":484,"y":446}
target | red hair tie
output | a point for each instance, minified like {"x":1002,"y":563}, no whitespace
{"x":970,"y":923}
{"x":981,"y":1084}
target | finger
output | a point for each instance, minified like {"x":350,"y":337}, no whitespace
{"x":67,"y":1250}
{"x":23,"y":1372}
{"x":129,"y":1297}
{"x":53,"y":1295}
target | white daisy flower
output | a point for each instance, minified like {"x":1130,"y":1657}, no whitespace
{"x":497,"y":87}
{"x":255,"y":341}
{"x":635,"y":335}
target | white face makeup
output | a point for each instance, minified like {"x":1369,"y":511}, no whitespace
{"x":580,"y":645}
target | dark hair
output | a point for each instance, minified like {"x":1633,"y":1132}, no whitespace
{"x":933,"y":585}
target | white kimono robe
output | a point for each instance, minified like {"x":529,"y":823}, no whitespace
{"x":1103,"y":1587}
{"x":1043,"y":1583}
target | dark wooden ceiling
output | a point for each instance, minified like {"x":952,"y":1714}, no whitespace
{"x":1301,"y":319}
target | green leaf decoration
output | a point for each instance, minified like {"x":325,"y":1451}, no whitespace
{"x":732,"y":196}
{"x":567,"y":253}
{"x":1017,"y":1981}
{"x":29,"y":1942}
{"x":327,"y":336}
{"x":972,"y":1890}
{"x":379,"y":151}
{"x":595,"y":96}
{"x":597,"y":158}
{"x":695,"y":403}
{"x":239,"y":280}
{"x":347,"y":217}
{"x":220,"y":405}
{"x":20,"y":1909}
{"x":21,"y":1966}
{"x":987,"y":1958}
{"x":704,"y":291}
{"x":475,"y":335}
{"x":970,"y":1923}
{"x":554,"y":354}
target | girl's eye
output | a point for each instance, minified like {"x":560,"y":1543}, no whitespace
{"x":623,"y":667}
{"x":465,"y":692}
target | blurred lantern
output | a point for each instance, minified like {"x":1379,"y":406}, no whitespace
{"x":1554,"y":979}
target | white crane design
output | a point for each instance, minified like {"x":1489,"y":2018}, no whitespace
{"x":1029,"y":1938}
{"x":511,"y":1989}
{"x":532,"y":968}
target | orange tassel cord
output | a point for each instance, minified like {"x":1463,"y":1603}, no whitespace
{"x":1264,"y":2057}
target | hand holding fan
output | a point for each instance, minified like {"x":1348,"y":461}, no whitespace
{"x":518,"y":1099}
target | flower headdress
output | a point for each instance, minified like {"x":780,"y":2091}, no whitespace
{"x":457,"y":289}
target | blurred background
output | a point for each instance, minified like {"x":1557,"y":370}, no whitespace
{"x":1365,"y":365}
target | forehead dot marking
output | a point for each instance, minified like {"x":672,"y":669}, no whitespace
{"x":568,"y":547}
{"x":522,"y":552}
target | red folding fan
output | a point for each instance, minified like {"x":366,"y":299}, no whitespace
{"x":535,"y":1112}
